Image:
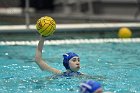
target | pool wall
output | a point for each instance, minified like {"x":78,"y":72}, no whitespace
{"x":68,"y":31}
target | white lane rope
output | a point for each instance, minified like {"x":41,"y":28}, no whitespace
{"x":73,"y":41}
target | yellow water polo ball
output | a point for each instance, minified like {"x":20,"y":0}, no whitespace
{"x":46,"y":26}
{"x":124,"y":32}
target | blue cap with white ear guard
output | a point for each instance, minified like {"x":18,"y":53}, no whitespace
{"x":66,"y":59}
{"x":89,"y":86}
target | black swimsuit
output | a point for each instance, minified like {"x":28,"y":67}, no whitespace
{"x":67,"y":75}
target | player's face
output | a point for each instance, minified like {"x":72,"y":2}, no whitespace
{"x":74,"y":63}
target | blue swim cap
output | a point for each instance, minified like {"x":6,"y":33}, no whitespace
{"x":66,"y":59}
{"x":89,"y":86}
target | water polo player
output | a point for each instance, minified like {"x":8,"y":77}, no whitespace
{"x":91,"y":86}
{"x":71,"y":62}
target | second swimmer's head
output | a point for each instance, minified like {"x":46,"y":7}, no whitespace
{"x":90,"y":86}
{"x":67,"y":57}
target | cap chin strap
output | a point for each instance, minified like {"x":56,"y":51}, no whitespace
{"x":70,"y":70}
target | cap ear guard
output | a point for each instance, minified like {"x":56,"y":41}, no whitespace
{"x":65,"y":61}
{"x":89,"y":86}
{"x":84,"y":88}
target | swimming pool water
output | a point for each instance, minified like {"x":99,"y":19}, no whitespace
{"x":115,"y":65}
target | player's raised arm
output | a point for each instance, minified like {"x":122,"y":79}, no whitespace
{"x":40,"y":62}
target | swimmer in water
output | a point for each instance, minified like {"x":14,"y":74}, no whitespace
{"x":91,"y":86}
{"x":71,"y":62}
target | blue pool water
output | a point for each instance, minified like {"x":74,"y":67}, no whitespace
{"x":115,"y":65}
